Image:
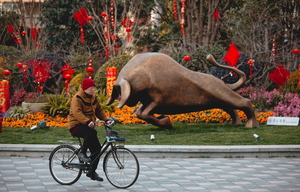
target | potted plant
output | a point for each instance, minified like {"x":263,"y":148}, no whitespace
{"x":33,"y":101}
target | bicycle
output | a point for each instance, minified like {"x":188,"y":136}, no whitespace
{"x":120,"y":165}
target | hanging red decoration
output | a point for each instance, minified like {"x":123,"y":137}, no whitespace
{"x":112,"y":13}
{"x":232,"y":55}
{"x":24,"y":71}
{"x":175,"y":10}
{"x":128,"y":30}
{"x":216,"y":15}
{"x":67,"y":73}
{"x":296,"y":52}
{"x":127,"y":23}
{"x":251,"y":64}
{"x":106,"y":33}
{"x":279,"y":75}
{"x":6,"y":72}
{"x":11,"y":29}
{"x":182,"y":22}
{"x":81,"y":17}
{"x":23,"y":33}
{"x":89,"y":18}
{"x":103,"y":14}
{"x":90,"y":69}
{"x":187,"y":58}
{"x":19,"y":65}
{"x":273,"y":50}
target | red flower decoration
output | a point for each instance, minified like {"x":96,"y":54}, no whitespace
{"x":186,"y":58}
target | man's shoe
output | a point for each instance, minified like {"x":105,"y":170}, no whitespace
{"x":94,"y":176}
{"x":83,"y":157}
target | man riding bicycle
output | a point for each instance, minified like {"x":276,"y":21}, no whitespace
{"x":85,"y":108}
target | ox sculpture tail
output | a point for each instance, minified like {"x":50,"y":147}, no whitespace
{"x":241,"y":74}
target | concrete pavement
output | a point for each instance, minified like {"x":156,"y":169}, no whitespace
{"x":31,"y":174}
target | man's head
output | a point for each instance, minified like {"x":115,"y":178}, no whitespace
{"x":89,"y":86}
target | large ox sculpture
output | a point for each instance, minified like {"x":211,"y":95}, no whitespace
{"x":165,"y":87}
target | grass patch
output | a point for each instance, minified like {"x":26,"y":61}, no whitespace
{"x":182,"y":134}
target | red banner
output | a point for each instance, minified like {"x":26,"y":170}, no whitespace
{"x":4,"y":95}
{"x":111,"y":77}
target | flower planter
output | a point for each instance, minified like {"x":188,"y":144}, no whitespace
{"x":34,"y":107}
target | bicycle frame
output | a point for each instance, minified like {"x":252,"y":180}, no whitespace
{"x":105,"y":145}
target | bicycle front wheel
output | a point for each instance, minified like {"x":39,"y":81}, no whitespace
{"x":59,"y":161}
{"x":121,"y":167}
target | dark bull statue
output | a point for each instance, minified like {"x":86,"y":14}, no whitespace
{"x":165,"y":87}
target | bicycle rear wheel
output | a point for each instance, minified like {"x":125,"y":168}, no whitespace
{"x":121,"y":167}
{"x":59,"y":159}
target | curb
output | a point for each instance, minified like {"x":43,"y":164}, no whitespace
{"x":170,"y":151}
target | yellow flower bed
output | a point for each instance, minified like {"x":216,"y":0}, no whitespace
{"x":126,"y":115}
{"x":33,"y":119}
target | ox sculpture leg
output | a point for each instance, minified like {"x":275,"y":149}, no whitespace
{"x":144,"y":112}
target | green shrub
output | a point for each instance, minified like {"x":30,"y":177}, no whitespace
{"x":102,"y":98}
{"x":119,"y":62}
{"x":17,"y":112}
{"x":58,"y":105}
{"x":291,"y":85}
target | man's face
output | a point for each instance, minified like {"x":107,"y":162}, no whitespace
{"x":91,"y":90}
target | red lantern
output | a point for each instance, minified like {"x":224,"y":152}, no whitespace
{"x":68,"y":76}
{"x":6,"y":72}
{"x":89,"y":69}
{"x":296,"y":51}
{"x":23,"y":33}
{"x":128,"y":30}
{"x":89,"y":18}
{"x":103,"y":14}
{"x":187,"y":58}
{"x":19,"y":65}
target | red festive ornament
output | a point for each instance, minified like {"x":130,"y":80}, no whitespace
{"x":10,"y":28}
{"x":186,"y":58}
{"x":232,"y":55}
{"x":24,"y":70}
{"x":81,"y":17}
{"x":23,"y":33}
{"x":103,"y":14}
{"x":216,"y":15}
{"x":296,"y":51}
{"x":19,"y":65}
{"x":6,"y":72}
{"x":279,"y":75}
{"x":89,"y":69}
{"x":127,"y":23}
{"x":68,"y":76}
{"x":175,"y":10}
{"x":251,"y":64}
{"x":89,"y":18}
{"x":182,"y":22}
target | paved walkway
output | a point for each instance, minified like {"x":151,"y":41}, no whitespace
{"x":165,"y":174}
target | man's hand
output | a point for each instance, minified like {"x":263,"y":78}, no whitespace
{"x":91,"y":124}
